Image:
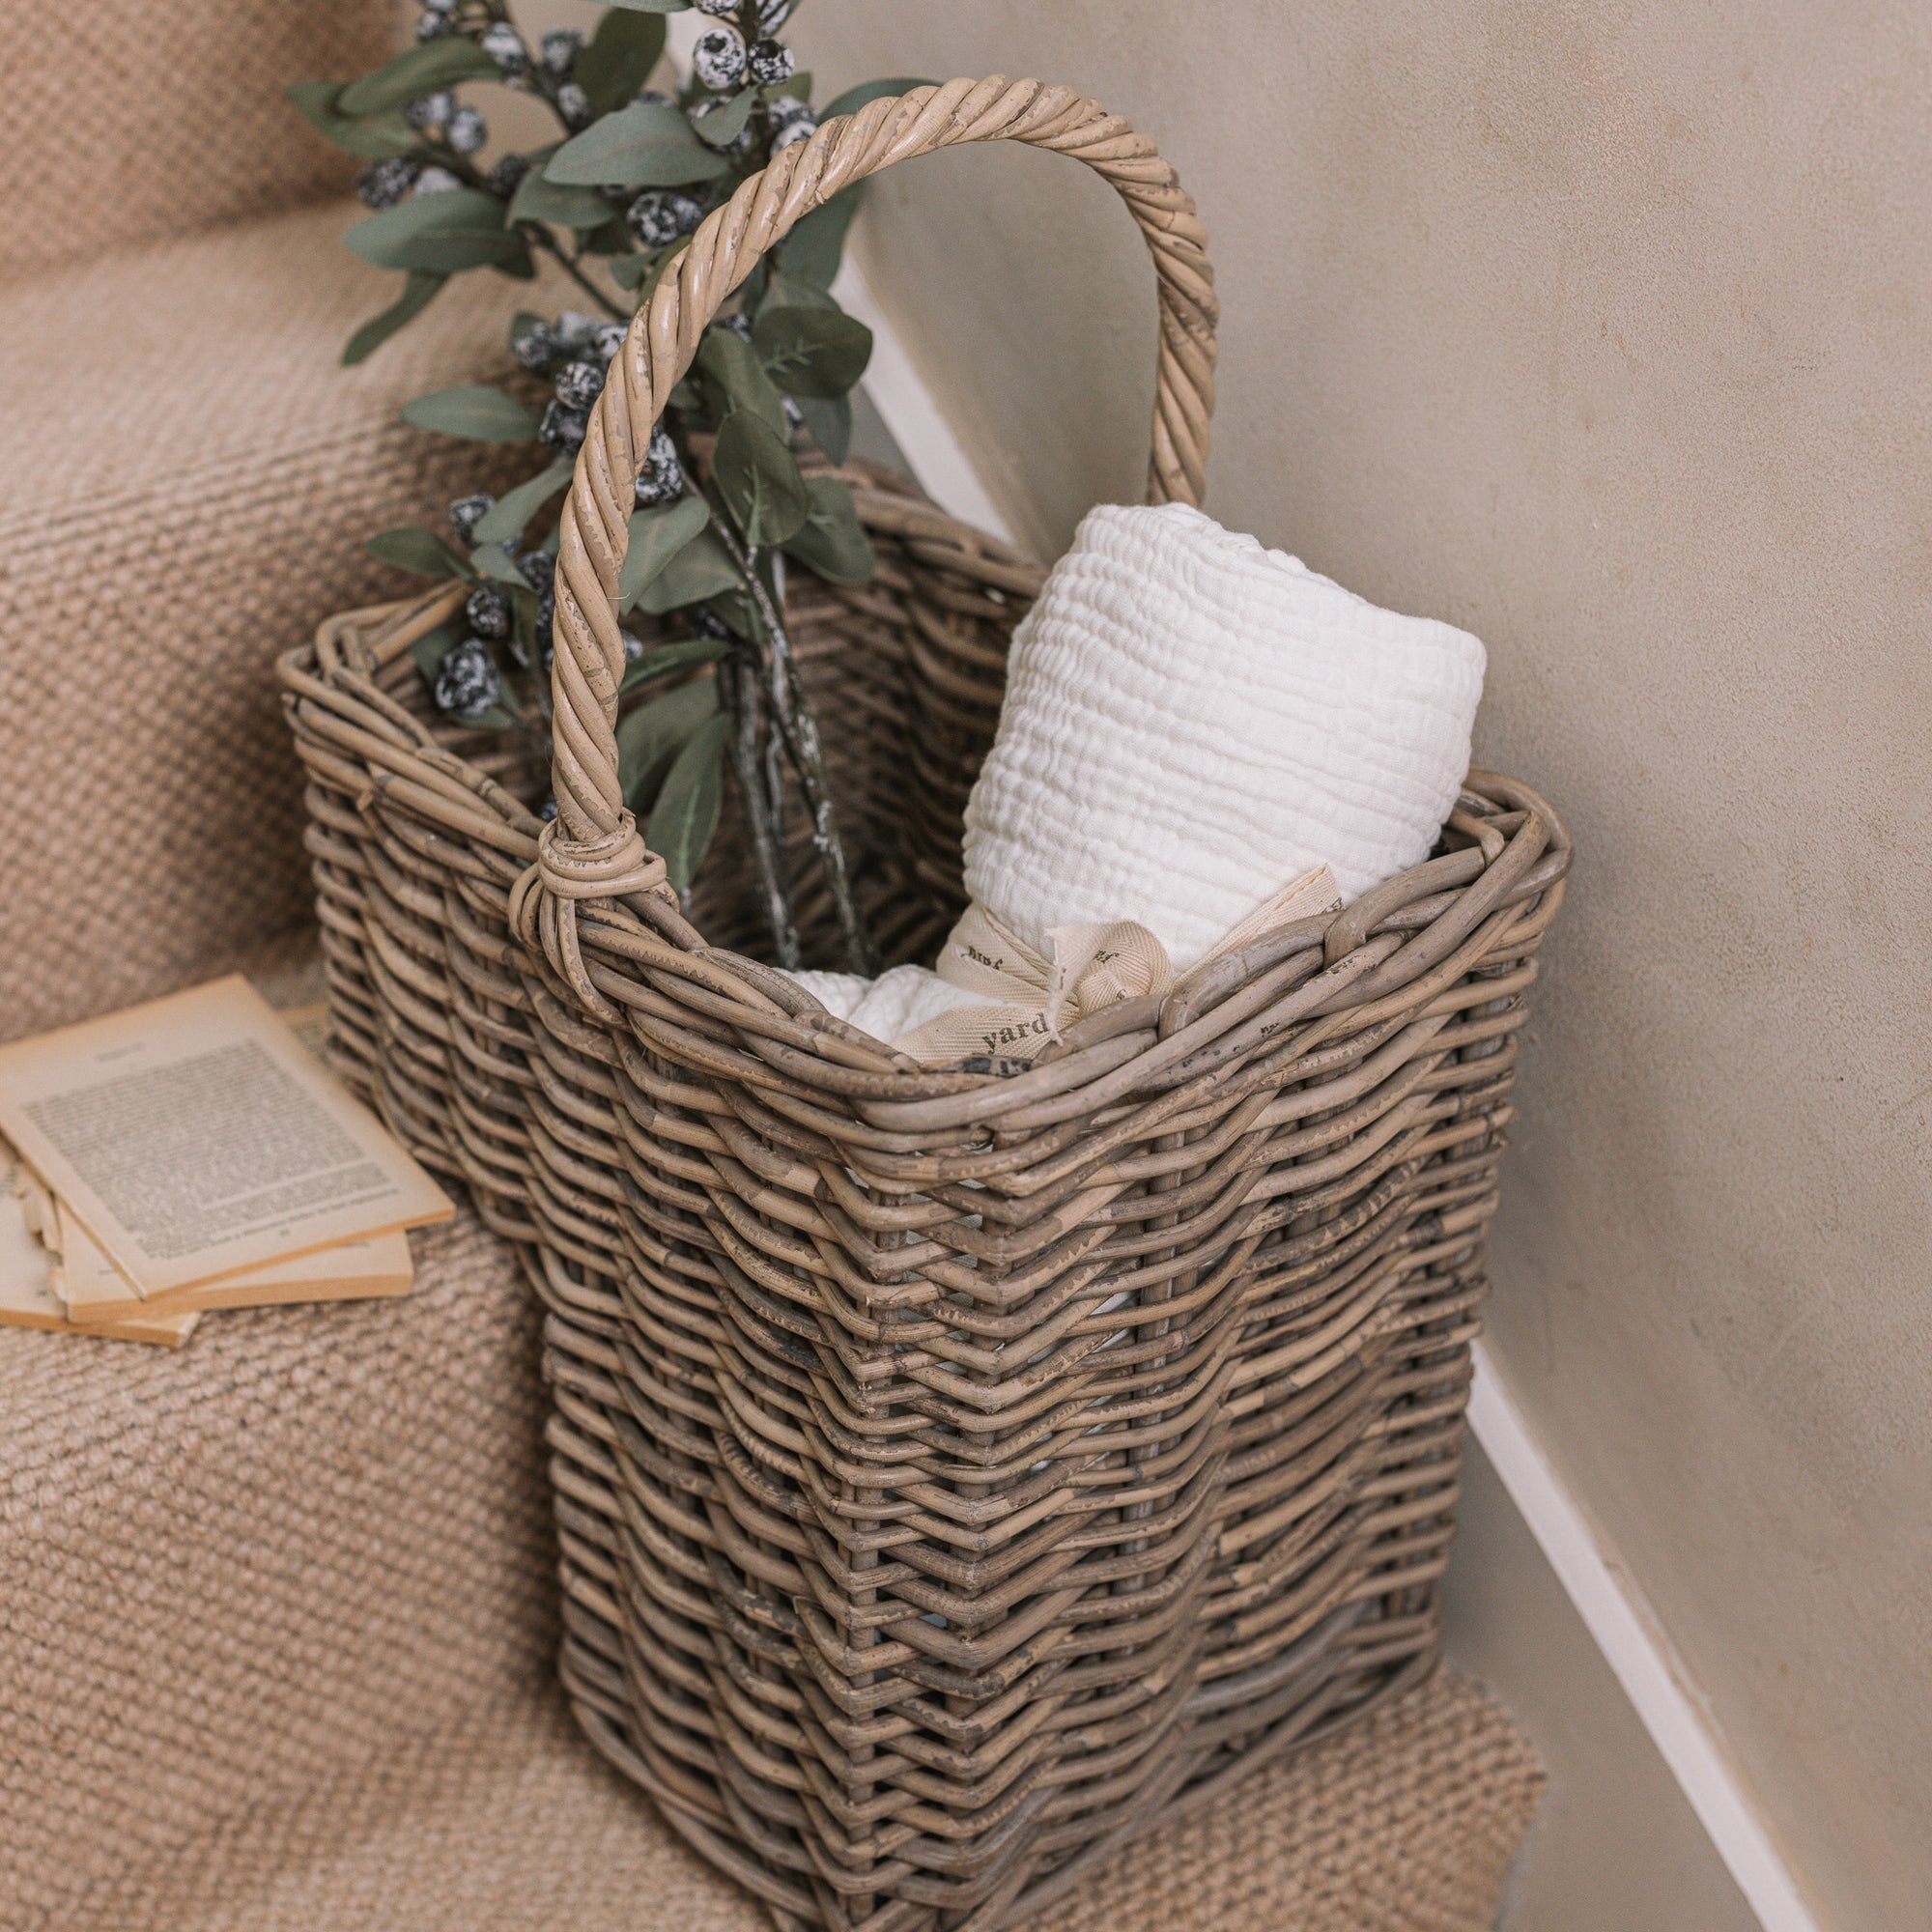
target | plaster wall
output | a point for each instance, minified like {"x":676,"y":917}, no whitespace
{"x":1616,"y":1846}
{"x":1603,"y":330}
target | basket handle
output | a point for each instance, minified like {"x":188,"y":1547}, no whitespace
{"x":593,"y":849}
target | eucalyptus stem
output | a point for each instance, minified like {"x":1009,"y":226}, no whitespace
{"x":791,"y":714}
{"x":738,"y":685}
{"x":540,"y":237}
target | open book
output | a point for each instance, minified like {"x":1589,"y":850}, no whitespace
{"x":191,"y":1153}
{"x":27,"y":1297}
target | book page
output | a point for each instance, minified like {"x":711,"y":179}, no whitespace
{"x":193,"y":1137}
{"x":27,"y":1300}
{"x":94,"y":1290}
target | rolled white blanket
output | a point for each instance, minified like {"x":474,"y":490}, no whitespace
{"x":1192,"y":723}
{"x":1192,"y":720}
{"x":898,"y":1001}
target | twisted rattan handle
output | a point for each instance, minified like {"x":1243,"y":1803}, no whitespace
{"x":595,"y":849}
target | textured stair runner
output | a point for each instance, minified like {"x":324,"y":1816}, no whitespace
{"x":276,"y":1623}
{"x":507,"y":1823}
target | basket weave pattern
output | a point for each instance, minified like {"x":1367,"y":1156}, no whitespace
{"x":956,"y":1470}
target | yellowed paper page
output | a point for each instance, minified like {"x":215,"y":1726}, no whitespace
{"x":94,"y":1290}
{"x":193,"y":1138}
{"x":27,"y":1300}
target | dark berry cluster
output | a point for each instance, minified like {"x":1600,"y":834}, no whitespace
{"x":558,"y":50}
{"x":662,"y":216}
{"x":467,"y":680}
{"x":718,"y":58}
{"x":792,"y":120}
{"x":384,"y":182}
{"x":506,"y":175}
{"x":467,"y":512}
{"x":489,"y":612}
{"x":661,"y":480}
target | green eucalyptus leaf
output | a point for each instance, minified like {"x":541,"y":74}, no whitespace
{"x":424,"y":69}
{"x":648,"y":144}
{"x":812,"y":253}
{"x":615,"y":67}
{"x":651,"y":6}
{"x":494,"y":561}
{"x":758,"y":476}
{"x":628,"y":271}
{"x":812,"y":352}
{"x":684,"y":815}
{"x":419,"y":290}
{"x":497,"y":717}
{"x":867,"y":90}
{"x":524,"y":618}
{"x":506,"y":517}
{"x":684,"y":655}
{"x":783,"y":291}
{"x":411,"y":547}
{"x":612,"y":238}
{"x":736,"y":612}
{"x":657,"y":535}
{"x":477,"y":412}
{"x":799,"y":87}
{"x":719,"y":126}
{"x":318,"y":101}
{"x":734,"y":377}
{"x":830,"y":424}
{"x":701,"y":570}
{"x":520,"y":265}
{"x":460,"y":228}
{"x":539,"y":199}
{"x":650,"y":738}
{"x":832,"y":540}
{"x":429,"y":650}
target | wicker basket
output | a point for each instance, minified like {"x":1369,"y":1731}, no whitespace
{"x":957,"y":1471}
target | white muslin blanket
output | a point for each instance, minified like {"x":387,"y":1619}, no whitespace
{"x":1192,"y":719}
{"x":897,"y":1003}
{"x":1200,"y":736}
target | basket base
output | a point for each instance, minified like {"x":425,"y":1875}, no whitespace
{"x":1194,"y":1779}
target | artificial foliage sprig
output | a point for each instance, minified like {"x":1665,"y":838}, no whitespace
{"x":722,"y":500}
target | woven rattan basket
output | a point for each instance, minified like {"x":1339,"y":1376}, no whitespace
{"x":957,"y":1471}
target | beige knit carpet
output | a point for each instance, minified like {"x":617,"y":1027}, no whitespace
{"x":276,"y":1622}
{"x":189,"y":480}
{"x":129,"y":120}
{"x":508,"y":1823}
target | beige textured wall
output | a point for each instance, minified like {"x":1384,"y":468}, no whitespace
{"x":1603,"y":330}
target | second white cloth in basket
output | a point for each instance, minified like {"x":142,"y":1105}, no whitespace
{"x":1193,"y":722}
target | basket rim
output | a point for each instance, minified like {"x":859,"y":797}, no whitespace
{"x":1404,"y":942}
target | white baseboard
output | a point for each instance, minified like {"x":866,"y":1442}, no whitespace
{"x":1613,"y":1609}
{"x":1634,"y":1644}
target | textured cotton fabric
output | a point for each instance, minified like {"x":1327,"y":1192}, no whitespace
{"x":1192,"y":720}
{"x":900,"y":1000}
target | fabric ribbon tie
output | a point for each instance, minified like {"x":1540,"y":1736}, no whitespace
{"x":1033,"y":996}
